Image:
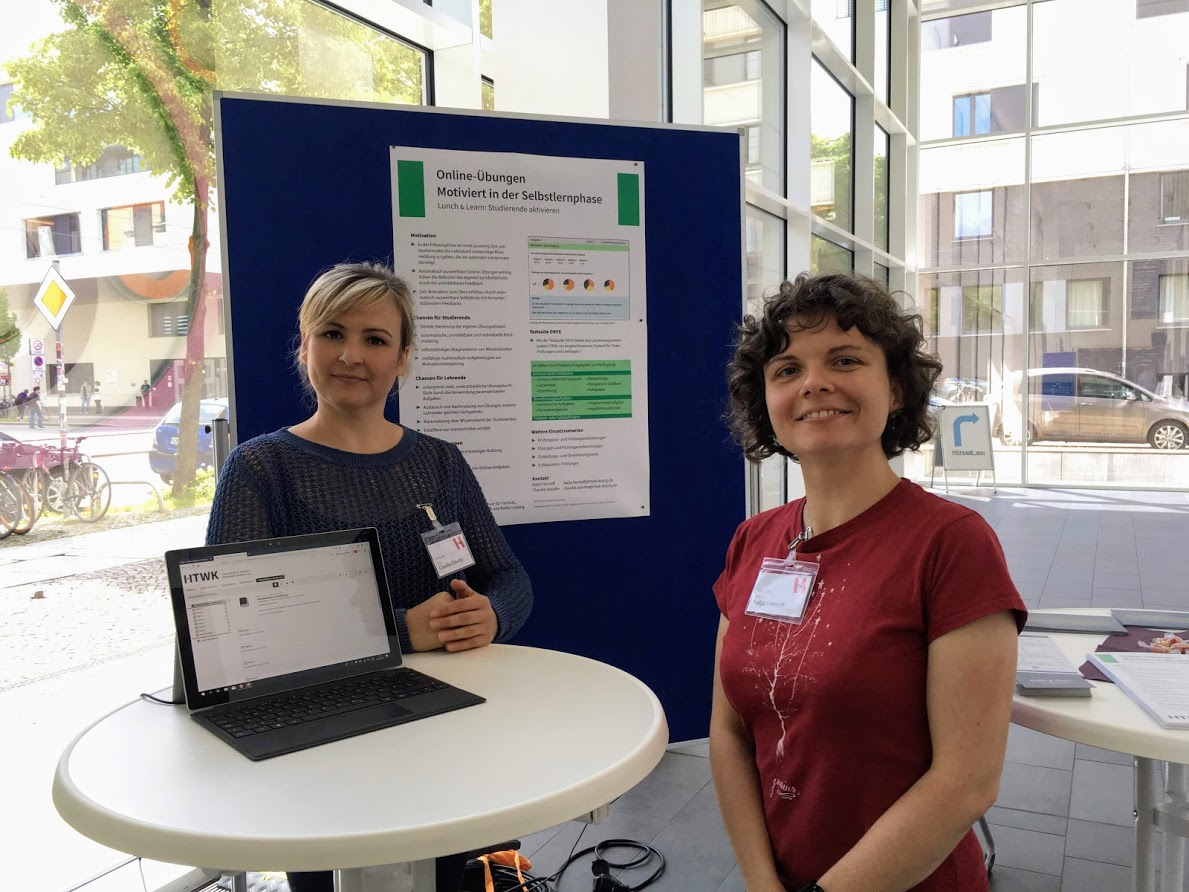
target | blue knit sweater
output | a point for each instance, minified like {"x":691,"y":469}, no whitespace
{"x":281,"y":485}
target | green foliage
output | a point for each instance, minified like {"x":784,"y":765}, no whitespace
{"x":140,"y":73}
{"x":10,"y":333}
{"x":199,"y":491}
{"x":485,"y":17}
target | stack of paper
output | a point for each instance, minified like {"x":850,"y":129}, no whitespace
{"x":1043,"y":671}
{"x":1157,"y":682}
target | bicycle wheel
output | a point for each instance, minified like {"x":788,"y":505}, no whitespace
{"x":10,"y":505}
{"x":29,"y":509}
{"x":47,"y":489}
{"x":88,"y":492}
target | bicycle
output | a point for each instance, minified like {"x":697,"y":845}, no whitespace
{"x":74,"y":485}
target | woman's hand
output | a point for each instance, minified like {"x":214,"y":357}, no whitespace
{"x":417,"y":621}
{"x":464,"y":622}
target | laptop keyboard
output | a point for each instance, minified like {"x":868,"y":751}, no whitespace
{"x":318,"y":703}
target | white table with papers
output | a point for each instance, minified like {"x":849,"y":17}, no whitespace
{"x":1110,"y":719}
{"x":559,"y":737}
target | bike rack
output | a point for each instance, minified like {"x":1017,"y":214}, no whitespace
{"x":152,"y":487}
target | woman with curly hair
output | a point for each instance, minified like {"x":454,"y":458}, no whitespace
{"x":862,"y":694}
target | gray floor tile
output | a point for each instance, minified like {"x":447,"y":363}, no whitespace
{"x":1029,"y":850}
{"x":733,"y":882}
{"x":1073,"y":591}
{"x":534,"y":842}
{"x":1056,"y":602}
{"x":1102,"y":792}
{"x":1010,"y":879}
{"x":1080,"y":875}
{"x":1033,"y":748}
{"x":1116,"y":575}
{"x":1094,"y":841}
{"x":1032,"y":788}
{"x":696,"y":847}
{"x":1070,"y":550}
{"x":1027,"y":820}
{"x":671,"y":785}
{"x":1096,"y":754}
{"x":1018,"y":561}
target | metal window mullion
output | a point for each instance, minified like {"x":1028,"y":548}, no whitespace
{"x":1029,"y":122}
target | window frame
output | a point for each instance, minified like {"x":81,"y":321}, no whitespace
{"x":154,"y":227}
{"x":164,"y":308}
{"x":1182,"y":219}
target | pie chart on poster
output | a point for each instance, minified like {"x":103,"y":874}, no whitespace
{"x":548,"y":284}
{"x":568,"y":284}
{"x":588,"y":284}
{"x":609,"y":285}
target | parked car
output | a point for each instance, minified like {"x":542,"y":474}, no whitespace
{"x":1086,"y":404}
{"x":163,"y":454}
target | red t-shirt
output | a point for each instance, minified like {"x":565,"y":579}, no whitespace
{"x":836,"y":705}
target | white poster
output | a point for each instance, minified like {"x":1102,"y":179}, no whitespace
{"x":965,"y":430}
{"x":528,"y":278}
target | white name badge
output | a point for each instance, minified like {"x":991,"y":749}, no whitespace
{"x":448,"y":549}
{"x":782,"y":590}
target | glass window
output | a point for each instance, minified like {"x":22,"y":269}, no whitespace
{"x":485,"y":18}
{"x":829,"y":257}
{"x":114,"y":161}
{"x":1174,"y":299}
{"x":765,"y":256}
{"x":973,"y":214}
{"x":982,"y":309}
{"x":1078,"y":193}
{"x":832,"y":113}
{"x":1148,"y":8}
{"x":133,"y":225}
{"x":1112,"y":63}
{"x":882,"y":144}
{"x":743,"y":78}
{"x":168,"y":320}
{"x":52,"y":236}
{"x":488,"y":87}
{"x":883,"y":275}
{"x":1174,"y":197}
{"x":962,"y":30}
{"x":837,"y":19}
{"x":1099,"y":387}
{"x":1086,"y":303}
{"x":972,"y":69}
{"x":1054,"y":384}
{"x":13,"y":112}
{"x":883,"y":55}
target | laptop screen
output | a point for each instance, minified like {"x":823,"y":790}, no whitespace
{"x":260,"y":617}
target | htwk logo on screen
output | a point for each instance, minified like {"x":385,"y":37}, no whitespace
{"x":958,"y":422}
{"x":459,"y":544}
{"x":201,"y":577}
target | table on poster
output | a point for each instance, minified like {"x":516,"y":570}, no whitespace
{"x":1110,"y":719}
{"x":148,"y":780}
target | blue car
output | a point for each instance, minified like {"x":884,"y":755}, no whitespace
{"x":163,"y":454}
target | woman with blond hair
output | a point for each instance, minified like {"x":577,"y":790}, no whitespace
{"x":347,"y":466}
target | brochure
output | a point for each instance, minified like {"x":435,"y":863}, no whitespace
{"x":1043,"y":671}
{"x":1159,"y":682}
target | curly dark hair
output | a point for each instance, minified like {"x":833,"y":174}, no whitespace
{"x":808,"y":303}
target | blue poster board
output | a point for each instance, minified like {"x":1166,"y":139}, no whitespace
{"x":304,"y":185}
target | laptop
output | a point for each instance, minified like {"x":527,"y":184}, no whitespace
{"x":290,"y":643}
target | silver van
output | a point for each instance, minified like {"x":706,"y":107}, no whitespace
{"x":1085,"y":404}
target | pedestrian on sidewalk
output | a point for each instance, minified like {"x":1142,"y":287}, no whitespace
{"x":145,"y":392}
{"x":19,"y":402}
{"x":84,"y":399}
{"x":33,"y":403}
{"x":98,"y":400}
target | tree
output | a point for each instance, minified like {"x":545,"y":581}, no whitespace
{"x":10,"y":332}
{"x":140,"y":73}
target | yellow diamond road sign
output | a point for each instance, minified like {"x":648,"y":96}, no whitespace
{"x":54,"y":298}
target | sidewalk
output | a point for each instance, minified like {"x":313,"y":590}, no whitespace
{"x":100,"y":635}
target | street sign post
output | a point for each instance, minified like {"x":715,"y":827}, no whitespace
{"x":54,"y":298}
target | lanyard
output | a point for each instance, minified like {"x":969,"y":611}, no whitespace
{"x":804,"y":536}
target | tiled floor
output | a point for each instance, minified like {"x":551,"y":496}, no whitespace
{"x":1063,"y":819}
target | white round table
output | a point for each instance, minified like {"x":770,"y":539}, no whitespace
{"x":559,"y":736}
{"x":1112,"y":720}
